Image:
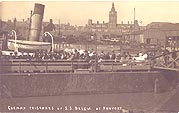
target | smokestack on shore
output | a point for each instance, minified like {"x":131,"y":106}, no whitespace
{"x":36,"y":22}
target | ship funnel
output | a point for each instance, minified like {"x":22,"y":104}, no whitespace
{"x":36,"y":22}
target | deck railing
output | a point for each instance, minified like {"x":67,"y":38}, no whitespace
{"x":45,"y":66}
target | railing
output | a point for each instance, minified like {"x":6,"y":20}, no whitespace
{"x":45,"y":66}
{"x":167,"y":61}
{"x":125,"y":65}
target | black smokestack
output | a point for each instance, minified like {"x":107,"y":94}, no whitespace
{"x":36,"y":23}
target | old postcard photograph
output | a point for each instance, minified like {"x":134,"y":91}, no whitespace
{"x":89,"y":56}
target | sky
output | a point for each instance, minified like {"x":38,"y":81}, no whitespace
{"x":78,"y":12}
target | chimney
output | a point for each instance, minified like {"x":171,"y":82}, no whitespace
{"x":136,"y":21}
{"x":51,"y":20}
{"x":89,"y":21}
{"x":36,"y":22}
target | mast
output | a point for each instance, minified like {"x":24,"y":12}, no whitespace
{"x":30,"y":21}
{"x":134,"y":24}
{"x":59,"y":28}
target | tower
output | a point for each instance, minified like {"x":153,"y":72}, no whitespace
{"x":112,"y":17}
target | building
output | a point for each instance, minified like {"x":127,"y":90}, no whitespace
{"x":112,"y":27}
{"x":162,"y":33}
{"x":112,"y":18}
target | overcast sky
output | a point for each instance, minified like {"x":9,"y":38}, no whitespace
{"x":78,"y":13}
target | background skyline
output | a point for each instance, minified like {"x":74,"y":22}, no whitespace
{"x":78,"y":12}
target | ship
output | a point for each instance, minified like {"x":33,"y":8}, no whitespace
{"x":47,"y":78}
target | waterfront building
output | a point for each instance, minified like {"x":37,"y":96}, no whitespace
{"x":112,"y":27}
{"x":162,"y":33}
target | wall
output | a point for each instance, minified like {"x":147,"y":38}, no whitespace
{"x":155,"y":35}
{"x":23,"y":85}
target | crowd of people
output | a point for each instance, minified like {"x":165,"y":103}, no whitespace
{"x":75,"y":54}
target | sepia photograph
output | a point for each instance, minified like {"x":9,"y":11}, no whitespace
{"x":89,"y":56}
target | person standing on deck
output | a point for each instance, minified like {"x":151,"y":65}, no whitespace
{"x":113,"y":56}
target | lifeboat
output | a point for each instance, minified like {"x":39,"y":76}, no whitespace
{"x":28,"y":45}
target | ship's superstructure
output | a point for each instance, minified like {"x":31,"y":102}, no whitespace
{"x":32,"y":42}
